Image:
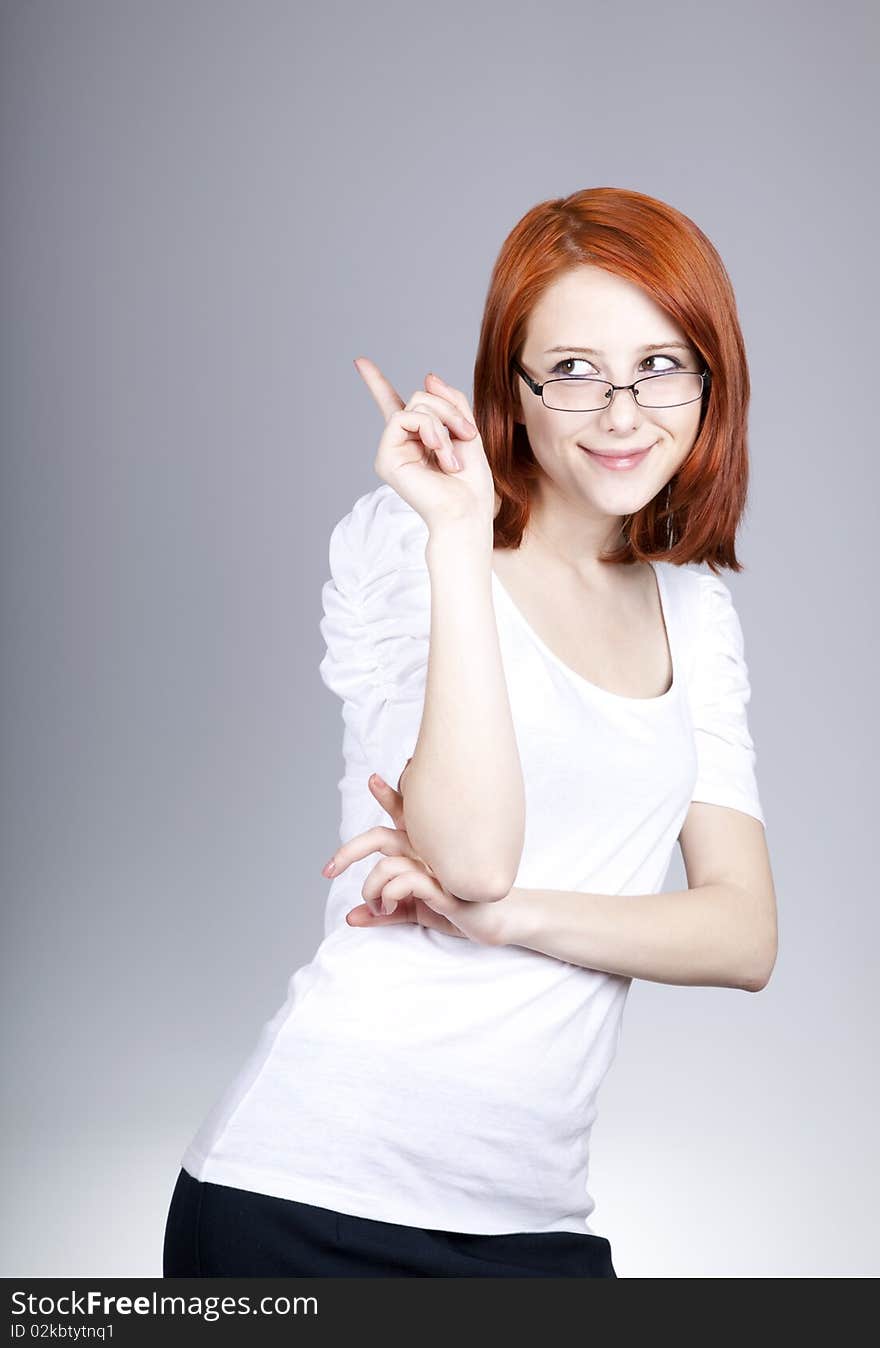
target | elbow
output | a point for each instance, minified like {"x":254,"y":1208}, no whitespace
{"x":759,"y":978}
{"x":762,"y":948}
{"x":480,"y":884}
{"x":473,"y":883}
{"x":473,"y":888}
{"x":475,"y":878}
{"x":470,"y":881}
{"x":493,"y":891}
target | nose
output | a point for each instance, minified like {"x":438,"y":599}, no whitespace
{"x":622,"y":412}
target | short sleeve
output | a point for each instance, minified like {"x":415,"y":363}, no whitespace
{"x":376,"y":626}
{"x":719,"y":696}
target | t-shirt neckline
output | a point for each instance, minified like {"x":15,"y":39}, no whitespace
{"x":595,"y":689}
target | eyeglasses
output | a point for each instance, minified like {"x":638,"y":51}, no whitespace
{"x":585,"y":393}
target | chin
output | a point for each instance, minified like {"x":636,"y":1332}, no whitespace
{"x":625,"y":496}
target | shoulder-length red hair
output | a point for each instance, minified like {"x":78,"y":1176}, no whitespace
{"x":696,"y":516}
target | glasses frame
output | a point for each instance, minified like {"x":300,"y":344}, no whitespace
{"x":538,"y":389}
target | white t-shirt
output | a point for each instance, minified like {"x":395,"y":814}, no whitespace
{"x":416,"y":1077}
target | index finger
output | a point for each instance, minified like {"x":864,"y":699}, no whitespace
{"x":384,"y":392}
{"x":391,"y":842}
{"x":453,"y":395}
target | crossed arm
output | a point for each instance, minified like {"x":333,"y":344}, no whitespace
{"x":719,"y":932}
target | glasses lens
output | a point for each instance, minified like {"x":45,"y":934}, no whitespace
{"x":576,"y":395}
{"x":657,"y":390}
{"x":669,"y":390}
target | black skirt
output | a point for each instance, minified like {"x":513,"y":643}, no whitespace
{"x":213,"y":1230}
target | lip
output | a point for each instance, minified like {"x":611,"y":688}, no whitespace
{"x":616,"y":460}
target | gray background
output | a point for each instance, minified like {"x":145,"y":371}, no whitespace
{"x":208,"y":210}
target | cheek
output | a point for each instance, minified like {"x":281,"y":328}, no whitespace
{"x":669,"y":462}
{"x":543,"y":436}
{"x":681,"y":432}
{"x":692,"y":423}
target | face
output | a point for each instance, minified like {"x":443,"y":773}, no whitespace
{"x":594,"y":308}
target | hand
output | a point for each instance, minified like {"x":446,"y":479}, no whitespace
{"x":417,"y":445}
{"x":403,"y":888}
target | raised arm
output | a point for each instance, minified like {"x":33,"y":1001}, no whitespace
{"x":463,"y":787}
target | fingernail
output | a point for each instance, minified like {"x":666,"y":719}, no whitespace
{"x":329,"y":867}
{"x":376,"y":780}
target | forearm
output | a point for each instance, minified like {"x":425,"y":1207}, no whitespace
{"x":463,"y":790}
{"x":710,"y":936}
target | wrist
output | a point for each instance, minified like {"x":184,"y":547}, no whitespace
{"x":463,"y":532}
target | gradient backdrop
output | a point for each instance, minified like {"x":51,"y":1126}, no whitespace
{"x":208,"y":210}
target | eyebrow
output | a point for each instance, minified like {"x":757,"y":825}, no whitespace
{"x":591,"y":351}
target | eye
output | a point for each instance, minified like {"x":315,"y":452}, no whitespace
{"x":559,"y":367}
{"x":676,"y":364}
{"x":569,"y":360}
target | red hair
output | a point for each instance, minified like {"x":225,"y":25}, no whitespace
{"x":696,"y":516}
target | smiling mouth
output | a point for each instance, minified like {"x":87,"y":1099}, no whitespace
{"x":616,"y":453}
{"x":618,"y":463}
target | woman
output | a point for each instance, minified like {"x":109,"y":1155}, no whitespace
{"x":422,"y":1103}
